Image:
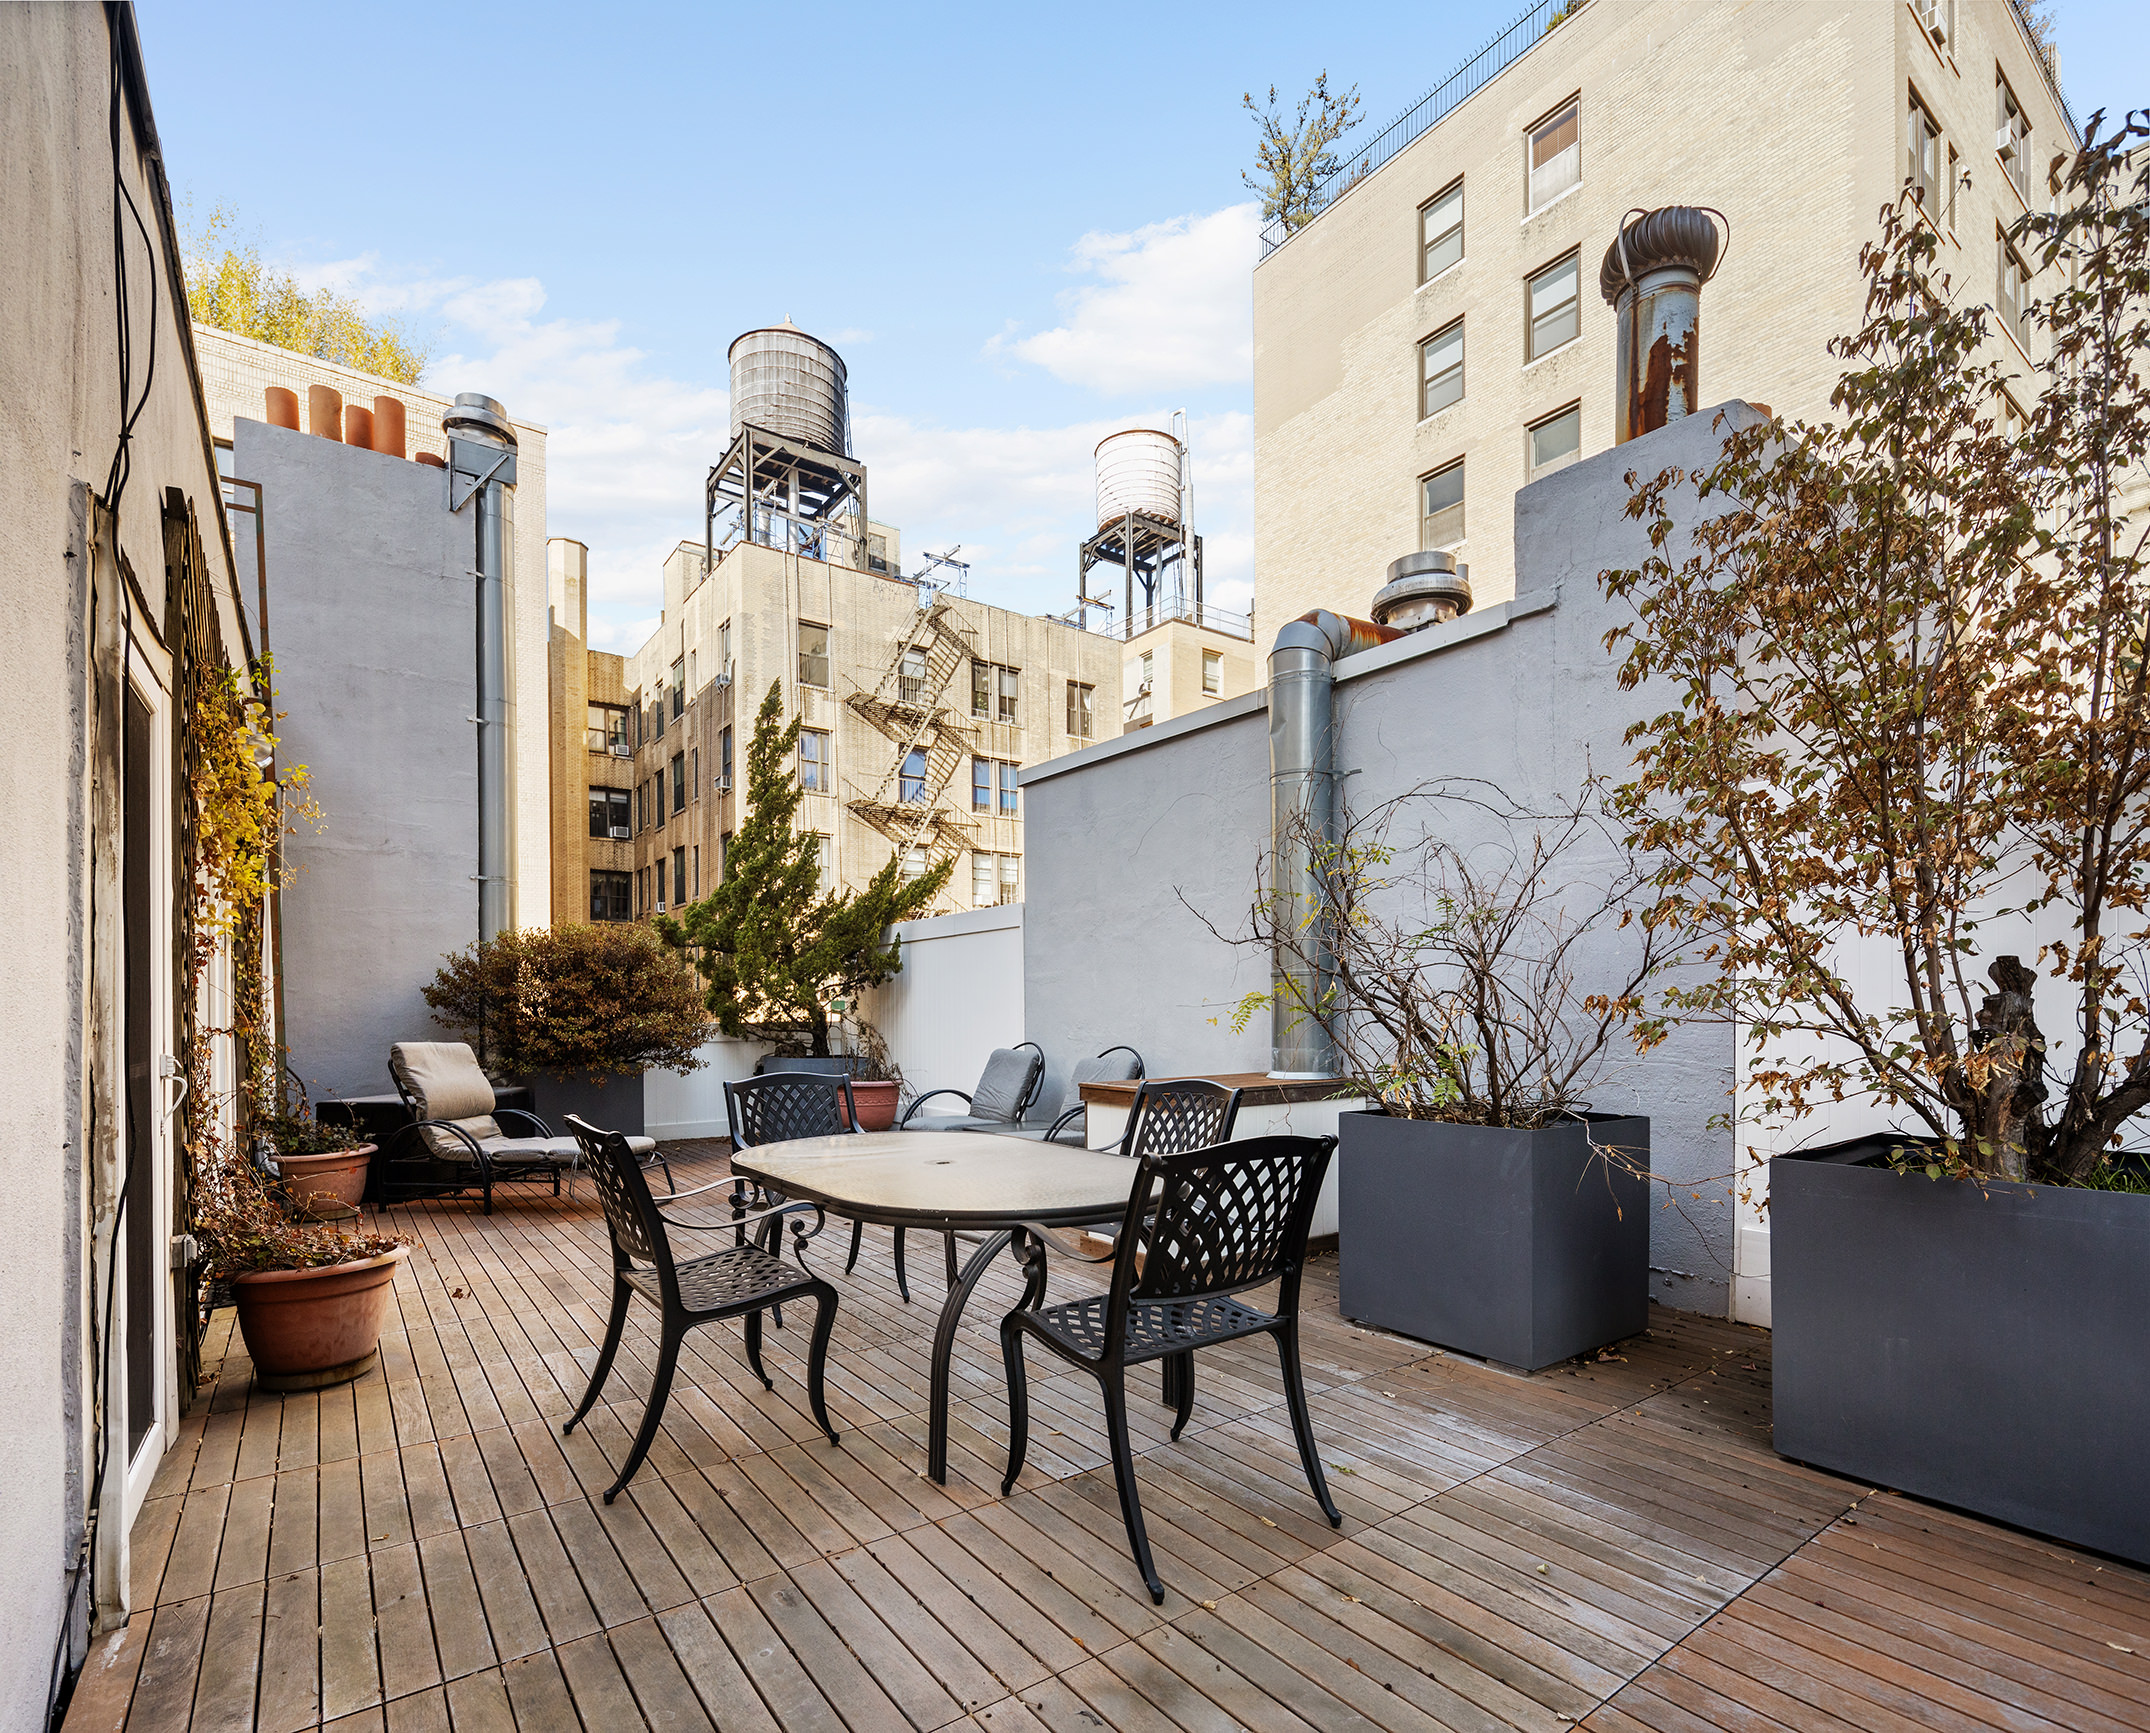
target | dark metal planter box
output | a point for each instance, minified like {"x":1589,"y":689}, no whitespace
{"x":616,"y":1105}
{"x":1523,"y":1247}
{"x":1985,"y":1346}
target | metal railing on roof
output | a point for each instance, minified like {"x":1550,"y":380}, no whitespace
{"x":2052,"y":82}
{"x":1507,"y":47}
{"x":1169,"y":608}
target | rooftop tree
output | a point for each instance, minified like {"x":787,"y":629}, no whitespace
{"x":777,"y":954}
{"x":1294,"y":157}
{"x":1911,"y":662}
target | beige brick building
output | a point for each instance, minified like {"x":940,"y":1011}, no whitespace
{"x":919,"y":708}
{"x":1435,"y":338}
{"x":236,"y":372}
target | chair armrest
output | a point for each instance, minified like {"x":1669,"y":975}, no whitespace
{"x":696,"y":1191}
{"x":418,"y":1127}
{"x":928,"y":1096}
{"x":1052,"y":1132}
{"x":1053,"y":1240}
{"x":543,"y":1130}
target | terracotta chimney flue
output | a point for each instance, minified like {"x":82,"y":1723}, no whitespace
{"x":433,"y":458}
{"x":388,"y":425}
{"x":358,"y":427}
{"x":324,"y":412}
{"x":283,"y":407}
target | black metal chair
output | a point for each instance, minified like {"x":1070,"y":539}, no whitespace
{"x":784,"y":1105}
{"x":1103,"y":1068}
{"x":1202,"y":1226}
{"x":740,"y":1281}
{"x":1007,"y":1090}
{"x":1178,"y":1113}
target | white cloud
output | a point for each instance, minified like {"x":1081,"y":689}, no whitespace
{"x":1172,"y":307}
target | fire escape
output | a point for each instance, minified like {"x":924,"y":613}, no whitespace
{"x":932,"y":736}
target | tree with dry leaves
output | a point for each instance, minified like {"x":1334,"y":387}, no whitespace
{"x":1294,"y":156}
{"x":1909,"y":654}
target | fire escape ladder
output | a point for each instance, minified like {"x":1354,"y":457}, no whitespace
{"x":912,"y":708}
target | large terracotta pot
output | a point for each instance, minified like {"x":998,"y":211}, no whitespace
{"x":327,"y":1186}
{"x":876,"y":1104}
{"x":310,"y":1328}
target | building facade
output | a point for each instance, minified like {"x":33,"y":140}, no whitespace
{"x":919,"y":709}
{"x":236,"y":373}
{"x":1434,"y":339}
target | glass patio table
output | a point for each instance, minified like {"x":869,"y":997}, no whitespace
{"x":946,"y":1181}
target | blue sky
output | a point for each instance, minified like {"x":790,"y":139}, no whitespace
{"x":1022,"y":227}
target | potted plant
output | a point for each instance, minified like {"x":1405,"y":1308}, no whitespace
{"x":781,"y":960}
{"x":876,"y":1079}
{"x":579,"y":1011}
{"x":1483,"y":1205}
{"x":1910,"y":748}
{"x":323,"y":1168}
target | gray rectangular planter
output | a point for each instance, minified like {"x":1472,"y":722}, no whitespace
{"x":1524,"y":1247}
{"x":1984,"y":1346}
{"x":614,"y":1106}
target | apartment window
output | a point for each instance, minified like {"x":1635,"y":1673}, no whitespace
{"x":914,"y":862}
{"x":1011,"y":882}
{"x":679,"y":782}
{"x":825,"y":862}
{"x":813,"y":655}
{"x":1922,"y":155}
{"x":1440,"y":233}
{"x":608,"y":730}
{"x":877,"y":553}
{"x":2012,"y":138}
{"x":1556,"y":155}
{"x":656,"y":714}
{"x":694,"y":658}
{"x":1556,"y":442}
{"x":724,"y":760}
{"x":2012,"y":424}
{"x":694,"y":775}
{"x":981,"y":689}
{"x":608,"y":814}
{"x":984,"y":881}
{"x":1440,"y":369}
{"x":814,"y":761}
{"x":642,"y":890}
{"x":1079,"y":697}
{"x":1939,"y":17}
{"x":981,"y":785}
{"x":724,"y":857}
{"x":1007,"y":684}
{"x":697,"y":869}
{"x":911,"y":677}
{"x":911,"y":782}
{"x":724,"y":648}
{"x":2012,"y":296}
{"x":1440,"y":510}
{"x":611,"y":897}
{"x":656,"y":801}
{"x":679,"y":877}
{"x":1555,"y":314}
{"x":679,"y":686}
{"x":993,"y":691}
{"x":1009,"y":805}
{"x":1212,"y":673}
{"x":641,"y":806}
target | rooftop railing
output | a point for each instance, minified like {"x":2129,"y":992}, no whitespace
{"x":1221,"y":620}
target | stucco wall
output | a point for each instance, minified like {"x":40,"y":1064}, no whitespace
{"x":1133,"y":841}
{"x":373,"y":624}
{"x":958,"y":996}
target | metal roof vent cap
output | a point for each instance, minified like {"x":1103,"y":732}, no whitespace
{"x":1423,"y":589}
{"x":476,"y":414}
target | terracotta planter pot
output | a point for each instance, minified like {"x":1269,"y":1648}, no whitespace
{"x":876,"y":1104}
{"x":309,"y":1328}
{"x":328,"y":1186}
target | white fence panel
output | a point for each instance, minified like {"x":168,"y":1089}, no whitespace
{"x":959,"y":996}
{"x":693,"y":1105}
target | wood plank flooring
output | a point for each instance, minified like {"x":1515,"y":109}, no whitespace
{"x":1608,"y":1545}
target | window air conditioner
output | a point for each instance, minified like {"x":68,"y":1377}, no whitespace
{"x":620,"y":749}
{"x":2004,"y":143}
{"x":621,"y":833}
{"x":660,"y":905}
{"x":722,"y":784}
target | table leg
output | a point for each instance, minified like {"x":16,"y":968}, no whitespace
{"x":944,"y":1343}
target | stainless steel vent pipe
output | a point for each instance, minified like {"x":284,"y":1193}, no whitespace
{"x":1302,"y":820}
{"x":1652,"y":278}
{"x":481,"y":466}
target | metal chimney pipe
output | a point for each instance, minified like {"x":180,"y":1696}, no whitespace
{"x":1302,"y":785}
{"x":481,"y":466}
{"x":1652,"y":278}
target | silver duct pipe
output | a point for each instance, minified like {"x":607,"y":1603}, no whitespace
{"x":1302,"y":787}
{"x":1652,"y":277}
{"x":481,"y":466}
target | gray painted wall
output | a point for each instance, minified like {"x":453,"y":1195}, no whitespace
{"x":1126,"y":839}
{"x":372,"y":621}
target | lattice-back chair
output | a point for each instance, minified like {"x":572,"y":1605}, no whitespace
{"x":1202,"y":1227}
{"x":738,"y":1281}
{"x":1175,"y":1113}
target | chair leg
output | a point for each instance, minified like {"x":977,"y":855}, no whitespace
{"x":1179,"y":1390}
{"x":660,"y":1388}
{"x":1011,"y":1352}
{"x":948,"y":1250}
{"x":1113,"y":1383}
{"x":754,"y":1349}
{"x":858,"y":1232}
{"x":603,"y":1370}
{"x":903,"y":1287}
{"x":1287,"y":1335}
{"x":817,"y":1356}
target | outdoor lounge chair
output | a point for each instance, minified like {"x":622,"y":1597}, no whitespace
{"x":740,"y":1281}
{"x":1006,"y":1091}
{"x":456,"y":1141}
{"x":1114,"y":1065}
{"x":1201,"y":1228}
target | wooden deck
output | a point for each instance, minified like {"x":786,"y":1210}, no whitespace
{"x":1611,"y":1546}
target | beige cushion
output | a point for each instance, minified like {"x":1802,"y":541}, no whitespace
{"x":443,"y":1078}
